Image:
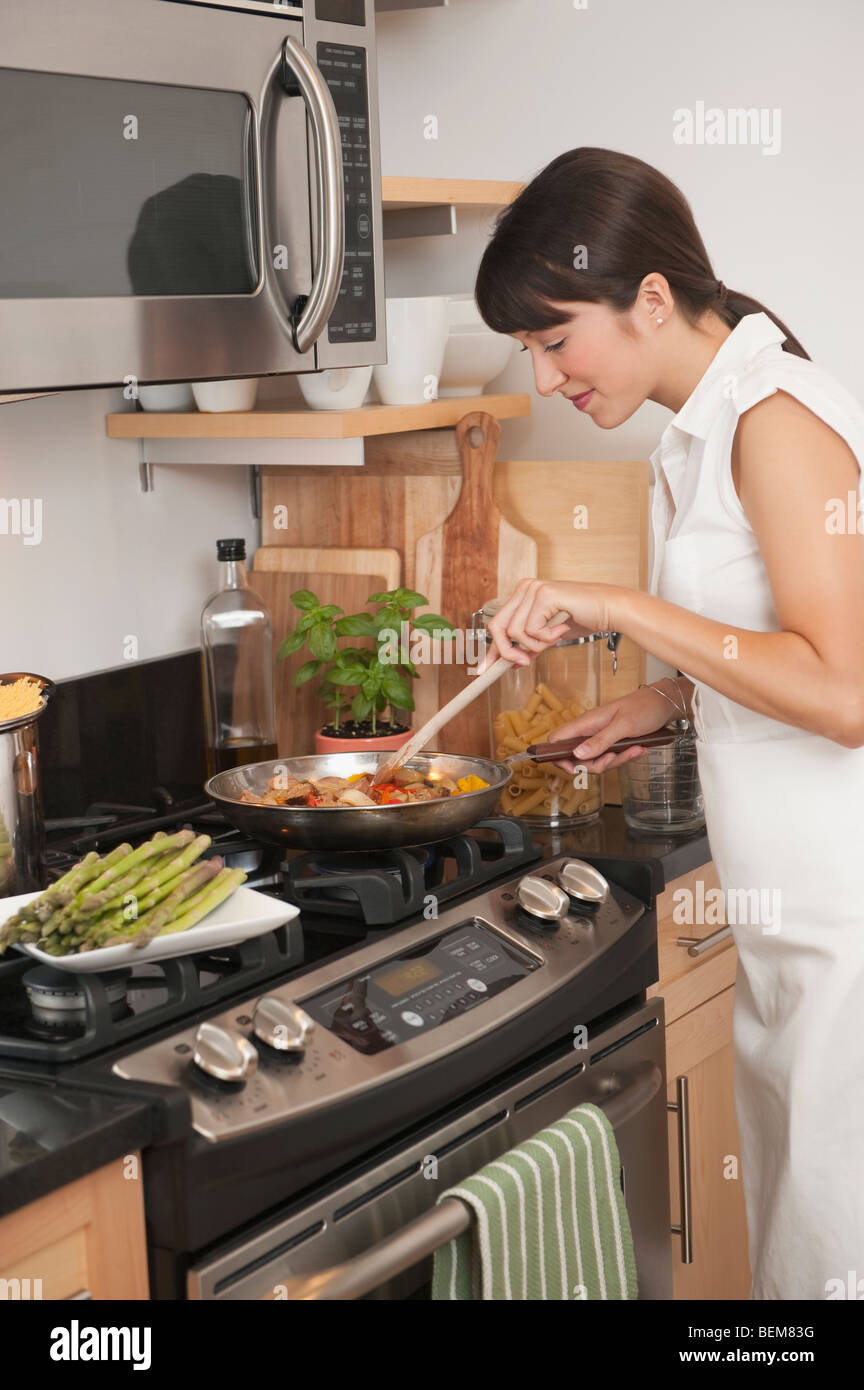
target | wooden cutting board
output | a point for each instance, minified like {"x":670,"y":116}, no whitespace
{"x":474,"y":555}
{"x":331,"y":559}
{"x":299,"y":711}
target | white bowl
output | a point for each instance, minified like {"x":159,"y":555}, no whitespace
{"x":462,"y":308}
{"x":473,"y":357}
{"x":176,"y":395}
{"x":337,"y":388}
{"x":416,"y":335}
{"x":214,"y":396}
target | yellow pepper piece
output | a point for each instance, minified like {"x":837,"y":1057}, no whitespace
{"x":471,"y":783}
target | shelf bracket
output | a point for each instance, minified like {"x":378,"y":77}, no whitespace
{"x":255,"y":491}
{"x":145,"y":474}
{"x":438,"y":219}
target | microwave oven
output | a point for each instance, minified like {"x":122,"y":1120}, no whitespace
{"x":189,"y":190}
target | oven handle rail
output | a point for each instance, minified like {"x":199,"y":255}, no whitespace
{"x":423,"y":1236}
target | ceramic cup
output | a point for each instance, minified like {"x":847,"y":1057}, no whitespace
{"x":416,"y":337}
{"x":225,"y":395}
{"x":337,"y":388}
{"x":176,"y":395}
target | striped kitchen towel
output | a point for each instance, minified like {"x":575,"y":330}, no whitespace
{"x":549,"y":1220}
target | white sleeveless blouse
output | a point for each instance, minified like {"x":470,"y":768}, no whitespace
{"x":783,"y":812}
{"x":706,"y":557}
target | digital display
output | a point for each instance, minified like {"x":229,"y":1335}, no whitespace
{"x":341,"y":11}
{"x":407,"y":977}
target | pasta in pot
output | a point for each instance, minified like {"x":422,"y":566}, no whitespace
{"x":408,"y":786}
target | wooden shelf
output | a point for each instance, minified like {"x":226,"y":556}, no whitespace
{"x":398,"y":192}
{"x":267,"y":421}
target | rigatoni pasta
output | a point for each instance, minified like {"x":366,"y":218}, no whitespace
{"x":541,"y":789}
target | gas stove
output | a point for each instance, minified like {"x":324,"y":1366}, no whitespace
{"x":425,"y":1001}
{"x":49,"y":1015}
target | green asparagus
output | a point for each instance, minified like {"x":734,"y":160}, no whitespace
{"x":127,"y":895}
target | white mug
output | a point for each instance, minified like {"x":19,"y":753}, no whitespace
{"x":225,"y":395}
{"x":417,"y":330}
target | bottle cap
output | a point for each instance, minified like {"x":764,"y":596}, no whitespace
{"x":231,"y":549}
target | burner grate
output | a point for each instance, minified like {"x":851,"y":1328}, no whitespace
{"x":157,"y":992}
{"x":383,"y":889}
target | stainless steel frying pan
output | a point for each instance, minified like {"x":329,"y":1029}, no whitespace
{"x":360,"y":827}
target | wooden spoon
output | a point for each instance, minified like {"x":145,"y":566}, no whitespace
{"x":427,"y":731}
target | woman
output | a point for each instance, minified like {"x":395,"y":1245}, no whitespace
{"x":757,"y":597}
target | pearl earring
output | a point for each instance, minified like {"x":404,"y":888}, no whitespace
{"x":659,"y":320}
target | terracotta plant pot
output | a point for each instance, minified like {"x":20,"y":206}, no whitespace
{"x":386,"y":744}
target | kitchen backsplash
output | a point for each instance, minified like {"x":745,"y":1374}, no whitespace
{"x":119,"y":734}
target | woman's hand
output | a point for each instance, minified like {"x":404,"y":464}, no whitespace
{"x":525,"y":617}
{"x":641,"y":712}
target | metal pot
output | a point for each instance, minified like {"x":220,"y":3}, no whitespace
{"x":362,"y":827}
{"x":22,"y":829}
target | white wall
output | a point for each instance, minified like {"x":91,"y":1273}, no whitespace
{"x":513,"y":83}
{"x":113,"y":562}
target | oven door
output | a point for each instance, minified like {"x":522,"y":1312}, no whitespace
{"x":174,"y":195}
{"x":373,"y":1234}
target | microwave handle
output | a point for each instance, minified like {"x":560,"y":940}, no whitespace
{"x":310,"y":313}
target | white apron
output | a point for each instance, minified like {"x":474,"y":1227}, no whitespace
{"x":785,"y":819}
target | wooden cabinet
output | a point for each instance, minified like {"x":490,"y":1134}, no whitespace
{"x":699,"y":992}
{"x":87,"y":1237}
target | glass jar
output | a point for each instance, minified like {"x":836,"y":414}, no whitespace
{"x":525,"y":705}
{"x":660,"y":791}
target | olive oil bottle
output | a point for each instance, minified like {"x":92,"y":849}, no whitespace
{"x":237,"y":668}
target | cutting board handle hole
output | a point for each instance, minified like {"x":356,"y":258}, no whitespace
{"x":476,"y":437}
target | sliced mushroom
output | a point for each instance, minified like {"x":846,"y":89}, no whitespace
{"x":352,"y":797}
{"x":332,"y":784}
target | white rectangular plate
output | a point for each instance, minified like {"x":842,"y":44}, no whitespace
{"x":245,"y":914}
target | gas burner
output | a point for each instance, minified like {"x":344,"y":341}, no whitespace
{"x":382,"y":889}
{"x":58,"y":1002}
{"x":354,"y":861}
{"x":60,"y":992}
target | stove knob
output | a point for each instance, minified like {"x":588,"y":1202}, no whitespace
{"x":282,"y":1025}
{"x":542,"y":898}
{"x":583,"y":882}
{"x":227,"y":1056}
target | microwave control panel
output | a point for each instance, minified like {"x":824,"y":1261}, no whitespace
{"x":343,"y":67}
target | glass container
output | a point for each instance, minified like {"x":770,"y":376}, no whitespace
{"x":526,"y":705}
{"x":237,"y":657}
{"x":660,"y":791}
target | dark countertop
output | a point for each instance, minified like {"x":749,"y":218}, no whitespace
{"x":672,"y":855}
{"x":51,"y":1134}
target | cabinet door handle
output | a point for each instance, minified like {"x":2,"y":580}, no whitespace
{"x":82,"y":1293}
{"x":698,"y":944}
{"x":682,"y":1107}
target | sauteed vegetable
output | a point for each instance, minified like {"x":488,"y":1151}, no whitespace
{"x":408,"y":785}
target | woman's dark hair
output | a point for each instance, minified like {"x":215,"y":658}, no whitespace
{"x":629,"y":218}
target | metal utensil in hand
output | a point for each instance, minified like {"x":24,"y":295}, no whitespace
{"x":550,"y":752}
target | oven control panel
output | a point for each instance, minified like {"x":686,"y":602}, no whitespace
{"x":409,"y":998}
{"x":421,"y":989}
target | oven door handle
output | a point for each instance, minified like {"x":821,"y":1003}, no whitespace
{"x":310,"y":313}
{"x":423,"y":1236}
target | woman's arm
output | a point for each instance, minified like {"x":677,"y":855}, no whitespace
{"x":811,"y":673}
